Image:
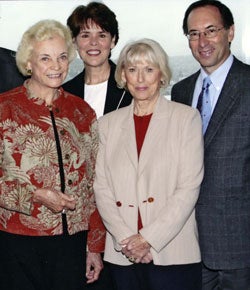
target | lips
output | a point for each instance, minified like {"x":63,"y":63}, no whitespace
{"x":54,"y":76}
{"x":93,"y":52}
{"x":206,"y":53}
{"x":141,"y":88}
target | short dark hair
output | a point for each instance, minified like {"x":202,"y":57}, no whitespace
{"x":226,"y":14}
{"x":97,"y":12}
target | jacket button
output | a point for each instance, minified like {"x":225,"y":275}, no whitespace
{"x":150,"y":199}
{"x":118,"y":203}
{"x":62,"y":132}
{"x":57,"y":110}
{"x":67,"y":156}
{"x":70,"y":182}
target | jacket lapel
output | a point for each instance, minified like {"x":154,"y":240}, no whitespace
{"x":128,"y":133}
{"x":225,"y":103}
{"x":152,"y":136}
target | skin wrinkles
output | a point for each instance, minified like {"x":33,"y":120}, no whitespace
{"x":143,"y":82}
{"x":49,"y":65}
{"x":209,"y":52}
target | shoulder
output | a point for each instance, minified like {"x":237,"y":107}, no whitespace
{"x":239,"y":66}
{"x":74,"y":101}
{"x":168,"y":106}
{"x":179,"y":115}
{"x":115,"y":118}
{"x":186,"y":81}
{"x":75,"y":85}
{"x":12,"y":93}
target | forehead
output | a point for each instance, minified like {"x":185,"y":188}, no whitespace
{"x":204,"y":17}
{"x":55,"y":44}
{"x":91,"y":25}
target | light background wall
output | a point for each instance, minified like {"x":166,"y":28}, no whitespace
{"x":157,"y":19}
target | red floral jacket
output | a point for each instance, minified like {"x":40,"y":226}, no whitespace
{"x":29,"y":160}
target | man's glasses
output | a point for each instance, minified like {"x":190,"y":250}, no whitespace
{"x":208,"y":33}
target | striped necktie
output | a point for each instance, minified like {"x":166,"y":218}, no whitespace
{"x":204,"y":104}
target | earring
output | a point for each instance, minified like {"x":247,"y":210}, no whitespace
{"x":162,"y":82}
{"x":29,"y":72}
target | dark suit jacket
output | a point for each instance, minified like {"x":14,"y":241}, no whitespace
{"x":113,"y":96}
{"x":10,"y":77}
{"x":223,"y":208}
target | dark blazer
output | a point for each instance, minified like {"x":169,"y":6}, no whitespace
{"x":223,"y":207}
{"x":114,"y":94}
{"x":10,"y":77}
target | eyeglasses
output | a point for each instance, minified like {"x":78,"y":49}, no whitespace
{"x":208,"y":33}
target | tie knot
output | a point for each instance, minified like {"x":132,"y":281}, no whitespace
{"x":206,"y":83}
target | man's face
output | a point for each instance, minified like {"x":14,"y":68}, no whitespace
{"x":209,"y":52}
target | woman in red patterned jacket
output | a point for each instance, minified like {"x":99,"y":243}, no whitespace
{"x":48,"y":145}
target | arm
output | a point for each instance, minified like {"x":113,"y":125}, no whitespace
{"x":105,"y":197}
{"x":96,"y":233}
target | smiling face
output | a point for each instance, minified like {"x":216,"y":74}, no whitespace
{"x":143,"y":80}
{"x":94,"y":45}
{"x":49,"y":62}
{"x":209,"y":52}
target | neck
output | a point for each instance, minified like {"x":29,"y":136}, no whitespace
{"x":96,"y":75}
{"x":145,"y":107}
{"x":48,"y":95}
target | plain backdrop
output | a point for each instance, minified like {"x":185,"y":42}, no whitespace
{"x":160,"y":20}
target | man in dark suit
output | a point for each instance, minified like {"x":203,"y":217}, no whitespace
{"x":223,"y":208}
{"x":10,"y":77}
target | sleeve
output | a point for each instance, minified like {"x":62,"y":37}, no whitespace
{"x":104,"y":192}
{"x":97,"y":231}
{"x":15,"y":185}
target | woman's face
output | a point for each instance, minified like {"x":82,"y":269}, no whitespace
{"x":49,"y":62}
{"x":143,"y":80}
{"x":94,"y":45}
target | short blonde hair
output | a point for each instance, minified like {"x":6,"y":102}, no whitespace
{"x":147,"y":49}
{"x":42,"y":30}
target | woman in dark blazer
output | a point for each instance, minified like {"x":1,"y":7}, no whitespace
{"x":95,"y":32}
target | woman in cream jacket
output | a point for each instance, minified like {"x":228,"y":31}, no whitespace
{"x":148,"y":174}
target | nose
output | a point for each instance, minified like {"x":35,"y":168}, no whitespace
{"x":93,"y":40}
{"x":140,"y":76}
{"x":56,"y":65}
{"x":203,"y":40}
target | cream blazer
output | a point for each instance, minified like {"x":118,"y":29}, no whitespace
{"x":164,"y":183}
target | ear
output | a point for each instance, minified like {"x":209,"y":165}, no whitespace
{"x":231,"y":34}
{"x":113,"y":42}
{"x":123,"y":77}
{"x":29,"y":65}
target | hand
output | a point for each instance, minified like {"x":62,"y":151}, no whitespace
{"x":94,"y":266}
{"x":54,"y":200}
{"x":136,"y":248}
{"x":147,"y":258}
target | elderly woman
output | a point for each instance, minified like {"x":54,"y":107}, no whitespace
{"x":95,"y":32}
{"x":48,"y":146}
{"x":148,"y":174}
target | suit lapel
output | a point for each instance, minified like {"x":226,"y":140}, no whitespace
{"x":225,"y":103}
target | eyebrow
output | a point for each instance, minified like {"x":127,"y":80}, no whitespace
{"x":209,"y":26}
